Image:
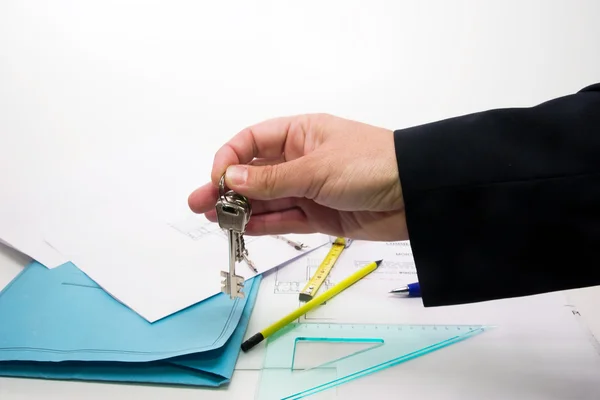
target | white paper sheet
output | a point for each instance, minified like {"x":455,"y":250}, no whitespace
{"x":158,"y":267}
{"x":21,"y":236}
{"x":38,"y":250}
{"x":396,"y":269}
{"x":112,"y":211}
{"x":12,"y":263}
{"x":538,"y":349}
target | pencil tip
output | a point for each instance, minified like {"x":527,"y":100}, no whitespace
{"x":378,"y":262}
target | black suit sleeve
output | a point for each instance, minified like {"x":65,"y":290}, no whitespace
{"x":504,"y":203}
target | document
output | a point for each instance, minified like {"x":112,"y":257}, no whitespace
{"x":118,"y":211}
{"x":533,"y":337}
{"x":396,"y":269}
{"x":38,"y":250}
{"x":23,"y":237}
{"x":160,"y":266}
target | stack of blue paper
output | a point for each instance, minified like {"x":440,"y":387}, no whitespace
{"x":59,"y":324}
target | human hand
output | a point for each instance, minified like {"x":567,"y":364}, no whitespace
{"x":312,"y":173}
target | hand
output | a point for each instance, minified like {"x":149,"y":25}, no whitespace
{"x":312,"y":173}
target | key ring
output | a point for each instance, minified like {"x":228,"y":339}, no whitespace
{"x":222,"y":188}
{"x":230,"y":196}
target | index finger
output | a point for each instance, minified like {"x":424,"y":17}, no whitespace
{"x":265,"y":140}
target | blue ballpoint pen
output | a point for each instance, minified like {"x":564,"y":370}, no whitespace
{"x":412,"y":290}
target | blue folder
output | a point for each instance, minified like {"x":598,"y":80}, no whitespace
{"x":59,"y":324}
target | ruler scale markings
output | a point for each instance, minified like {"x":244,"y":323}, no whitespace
{"x":315,"y":282}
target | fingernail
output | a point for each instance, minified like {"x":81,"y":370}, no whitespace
{"x":237,"y":174}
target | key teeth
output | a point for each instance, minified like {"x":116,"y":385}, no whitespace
{"x":239,"y":285}
{"x":227,"y":285}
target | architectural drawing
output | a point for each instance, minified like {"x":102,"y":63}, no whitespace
{"x":389,"y":270}
{"x":196,"y":228}
{"x":398,"y":267}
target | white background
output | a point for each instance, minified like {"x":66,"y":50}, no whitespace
{"x":144,"y":92}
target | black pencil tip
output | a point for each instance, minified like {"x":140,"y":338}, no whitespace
{"x":378,"y":262}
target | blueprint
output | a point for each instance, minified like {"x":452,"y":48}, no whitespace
{"x":396,"y":269}
{"x":530,"y":331}
{"x":159,"y":266}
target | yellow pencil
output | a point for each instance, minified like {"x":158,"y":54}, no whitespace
{"x":314,"y":303}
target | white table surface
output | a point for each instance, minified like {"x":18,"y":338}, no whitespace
{"x":452,"y":374}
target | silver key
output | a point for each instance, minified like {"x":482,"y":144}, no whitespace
{"x":241,"y":252}
{"x":233,"y":214}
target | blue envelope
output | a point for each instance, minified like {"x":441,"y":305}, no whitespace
{"x":59,"y":324}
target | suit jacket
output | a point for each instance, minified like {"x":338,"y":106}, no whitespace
{"x":506,"y":202}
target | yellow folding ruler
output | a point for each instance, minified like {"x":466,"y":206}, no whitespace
{"x":315,"y":282}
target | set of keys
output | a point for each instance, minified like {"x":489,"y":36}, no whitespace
{"x":233,"y":214}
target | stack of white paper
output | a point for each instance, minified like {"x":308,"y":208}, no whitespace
{"x":120,"y":215}
{"x":156,"y":266}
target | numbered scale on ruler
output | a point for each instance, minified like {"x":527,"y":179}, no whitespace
{"x":316,"y":281}
{"x":303,"y":359}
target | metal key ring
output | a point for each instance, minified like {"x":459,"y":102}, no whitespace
{"x":229,"y":196}
{"x":222,"y":187}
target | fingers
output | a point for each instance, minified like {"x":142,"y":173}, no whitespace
{"x":279,"y":223}
{"x":292,"y":220}
{"x":267,"y":161}
{"x":263,"y":207}
{"x":203,"y":199}
{"x":265,"y":140}
{"x":294,"y":178}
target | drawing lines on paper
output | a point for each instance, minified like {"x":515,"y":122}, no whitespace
{"x":196,"y":229}
{"x":292,"y":280}
{"x":389,"y":269}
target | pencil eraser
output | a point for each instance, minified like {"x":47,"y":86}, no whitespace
{"x":252,"y":341}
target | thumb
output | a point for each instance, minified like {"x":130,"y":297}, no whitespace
{"x":267,"y":182}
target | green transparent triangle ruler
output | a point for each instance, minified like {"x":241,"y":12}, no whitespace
{"x":305,"y":359}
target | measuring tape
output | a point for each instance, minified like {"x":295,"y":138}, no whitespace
{"x":315,"y":282}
